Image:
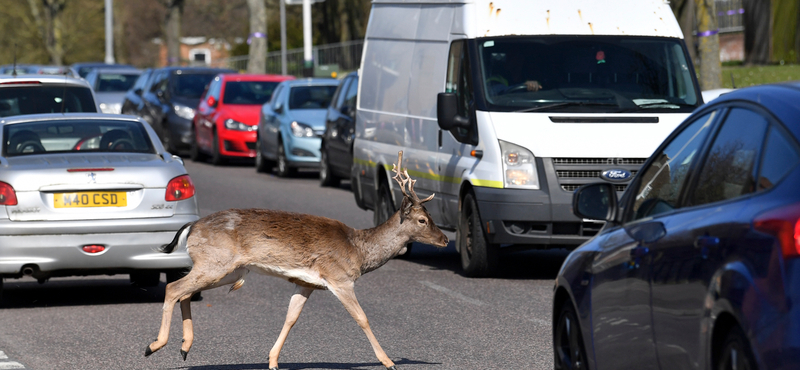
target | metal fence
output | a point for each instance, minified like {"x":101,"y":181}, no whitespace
{"x":730,"y":14}
{"x":341,"y":57}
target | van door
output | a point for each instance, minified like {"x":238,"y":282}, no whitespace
{"x":458,"y":142}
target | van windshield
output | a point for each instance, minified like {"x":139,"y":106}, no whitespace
{"x":586,"y":74}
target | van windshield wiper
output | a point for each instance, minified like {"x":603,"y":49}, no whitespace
{"x":656,"y":105}
{"x":567,"y":104}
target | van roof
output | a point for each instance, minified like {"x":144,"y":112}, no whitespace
{"x":573,"y":17}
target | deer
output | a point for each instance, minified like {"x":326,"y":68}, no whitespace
{"x":313,"y":252}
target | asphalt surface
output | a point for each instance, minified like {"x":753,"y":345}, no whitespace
{"x":424,"y":313}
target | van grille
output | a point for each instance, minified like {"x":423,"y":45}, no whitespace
{"x":573,"y":173}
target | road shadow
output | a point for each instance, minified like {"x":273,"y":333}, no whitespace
{"x":309,"y":365}
{"x":63,"y":292}
{"x":534,"y":264}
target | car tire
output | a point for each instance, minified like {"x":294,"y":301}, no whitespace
{"x":263,"y":165}
{"x":326,"y":176}
{"x":145,"y":279}
{"x":479,"y":258}
{"x":568,"y":348}
{"x":384,"y":207}
{"x":284,"y":170}
{"x":216,"y":158}
{"x":194,"y":152}
{"x":735,"y":353}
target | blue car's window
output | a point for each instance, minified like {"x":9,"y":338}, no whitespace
{"x":780,"y":156}
{"x":191,"y":85}
{"x":248,"y":92}
{"x":728,"y":170}
{"x":311,"y":97}
{"x":660,"y":184}
{"x":75,"y":136}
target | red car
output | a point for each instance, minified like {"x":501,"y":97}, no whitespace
{"x":226,"y":121}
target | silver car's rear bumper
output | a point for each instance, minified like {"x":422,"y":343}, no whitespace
{"x":55,"y":248}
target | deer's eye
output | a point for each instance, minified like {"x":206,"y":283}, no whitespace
{"x":422,"y":221}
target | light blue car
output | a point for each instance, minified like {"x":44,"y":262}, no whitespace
{"x":292,"y":124}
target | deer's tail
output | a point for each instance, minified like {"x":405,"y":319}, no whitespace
{"x":179,"y":240}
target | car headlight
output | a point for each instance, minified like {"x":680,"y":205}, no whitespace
{"x":231,"y":124}
{"x":519,"y":167}
{"x":111,"y":108}
{"x":301,"y":129}
{"x":184,"y":111}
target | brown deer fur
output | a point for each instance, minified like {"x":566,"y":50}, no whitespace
{"x":314,"y":253}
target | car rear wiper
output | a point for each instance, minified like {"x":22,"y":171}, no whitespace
{"x":567,"y":104}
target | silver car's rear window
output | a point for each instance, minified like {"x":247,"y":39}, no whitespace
{"x":75,"y":136}
{"x":34,"y":99}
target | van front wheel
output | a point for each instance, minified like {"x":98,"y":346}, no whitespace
{"x":478,"y":257}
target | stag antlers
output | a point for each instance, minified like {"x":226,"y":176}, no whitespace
{"x":405,"y":181}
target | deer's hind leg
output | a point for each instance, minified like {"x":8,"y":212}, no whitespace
{"x":299,"y":298}
{"x":198,"y":279}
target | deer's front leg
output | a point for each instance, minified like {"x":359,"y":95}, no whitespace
{"x":296,"y":304}
{"x":347,"y":296}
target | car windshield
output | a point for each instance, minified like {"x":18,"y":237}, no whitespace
{"x":75,"y":136}
{"x":191,"y":85}
{"x":586,"y":74}
{"x":115,"y":82}
{"x":311,"y":97}
{"x":248,"y":92}
{"x":35,"y":98}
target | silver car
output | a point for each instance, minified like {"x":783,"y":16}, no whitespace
{"x":110,"y":86}
{"x":36,"y":94}
{"x":87,"y":194}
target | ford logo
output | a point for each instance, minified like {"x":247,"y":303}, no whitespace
{"x":616,"y":175}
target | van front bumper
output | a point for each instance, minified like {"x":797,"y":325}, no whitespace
{"x":532,"y":218}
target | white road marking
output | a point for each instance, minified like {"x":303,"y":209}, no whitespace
{"x":5,"y":364}
{"x":540,"y":321}
{"x":11,"y":365}
{"x":452,"y":293}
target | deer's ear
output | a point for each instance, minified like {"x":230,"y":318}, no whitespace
{"x":405,"y":208}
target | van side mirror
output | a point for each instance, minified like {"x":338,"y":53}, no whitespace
{"x":447,"y":112}
{"x":597,"y":201}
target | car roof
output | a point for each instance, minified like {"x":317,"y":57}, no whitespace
{"x":10,"y":120}
{"x":196,"y":69}
{"x":255,"y":77}
{"x":117,"y":70}
{"x":780,"y":99}
{"x":313,"y":81}
{"x":9,"y":80}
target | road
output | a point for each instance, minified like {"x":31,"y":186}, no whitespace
{"x":423,"y":312}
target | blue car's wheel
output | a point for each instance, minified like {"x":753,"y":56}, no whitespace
{"x":735,"y":354}
{"x":570,"y":353}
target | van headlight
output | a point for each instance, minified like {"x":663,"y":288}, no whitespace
{"x":519,"y":167}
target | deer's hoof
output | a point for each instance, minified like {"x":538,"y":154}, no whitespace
{"x":273,"y":368}
{"x":148,"y":351}
{"x":392,"y":368}
{"x":184,"y":354}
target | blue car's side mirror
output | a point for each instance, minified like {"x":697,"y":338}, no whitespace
{"x":597,"y":201}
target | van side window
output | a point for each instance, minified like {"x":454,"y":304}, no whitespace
{"x":458,"y":82}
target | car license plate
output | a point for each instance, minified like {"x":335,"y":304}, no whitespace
{"x":90,"y":199}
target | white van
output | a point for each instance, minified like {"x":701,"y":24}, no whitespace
{"x":504,"y":107}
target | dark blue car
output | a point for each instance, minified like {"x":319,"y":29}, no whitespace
{"x":698,"y":264}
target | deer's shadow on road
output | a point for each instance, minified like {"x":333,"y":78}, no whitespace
{"x":309,"y":365}
{"x":536,"y":264}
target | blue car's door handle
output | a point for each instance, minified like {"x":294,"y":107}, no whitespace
{"x":706,"y":242}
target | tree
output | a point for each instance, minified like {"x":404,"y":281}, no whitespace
{"x":258,"y":37}
{"x":50,"y":27}
{"x":757,"y":31}
{"x":172,"y":30}
{"x":708,"y":45}
{"x":684,"y":12}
